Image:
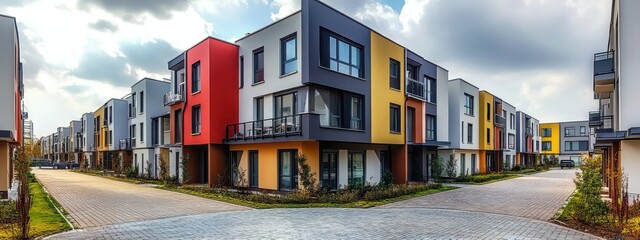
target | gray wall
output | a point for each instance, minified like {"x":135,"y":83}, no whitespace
{"x":8,"y":74}
{"x":153,"y":106}
{"x":576,"y":125}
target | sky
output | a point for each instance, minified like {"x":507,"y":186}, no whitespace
{"x":534,"y":54}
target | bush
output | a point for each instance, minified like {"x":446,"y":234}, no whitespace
{"x":436,"y":168}
{"x":481,"y":178}
{"x":588,"y":207}
{"x":133,"y":172}
{"x":516,"y":168}
{"x":450,"y":167}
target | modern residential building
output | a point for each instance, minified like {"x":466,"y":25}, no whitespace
{"x":615,"y":74}
{"x":509,"y":139}
{"x":62,"y":147}
{"x":11,"y":94}
{"x":75,"y":134}
{"x":528,"y":139}
{"x":145,"y":103}
{"x":116,"y":128}
{"x":490,"y":127}
{"x":575,"y":140}
{"x":464,"y":126}
{"x":550,"y":133}
{"x":100,"y":133}
{"x":175,"y":100}
{"x":87,"y":143}
{"x":28,"y":131}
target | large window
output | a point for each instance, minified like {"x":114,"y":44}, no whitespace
{"x":195,"y":77}
{"x":341,"y":55}
{"x":285,"y":105}
{"x":329,"y":170}
{"x":576,"y":145}
{"x":431,"y":128}
{"x":339,"y":109}
{"x":141,"y":101}
{"x":356,"y":168}
{"x":469,"y":133}
{"x":431,"y":89}
{"x":583,"y":131}
{"x":546,"y":146}
{"x":287,"y":170}
{"x":410,"y":123}
{"x":511,"y":141}
{"x":512,"y":121}
{"x":546,"y":132}
{"x":569,"y":131}
{"x":394,"y":74}
{"x":141,"y":132}
{"x":259,"y":108}
{"x":394,"y":118}
{"x":253,"y":168}
{"x":468,"y":104}
{"x":288,"y":52}
{"x":258,"y":66}
{"x":195,"y":119}
{"x":178,"y":126}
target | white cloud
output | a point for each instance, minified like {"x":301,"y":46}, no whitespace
{"x":285,"y":8}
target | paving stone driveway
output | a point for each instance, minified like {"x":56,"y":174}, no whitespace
{"x":95,"y":201}
{"x":334,"y":223}
{"x":537,"y":196}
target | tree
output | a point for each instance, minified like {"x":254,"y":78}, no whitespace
{"x":32,"y":149}
{"x":450,"y":169}
{"x":436,"y":168}
{"x":307,"y":178}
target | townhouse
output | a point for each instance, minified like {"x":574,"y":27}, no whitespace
{"x":62,"y":144}
{"x":144,"y":104}
{"x":116,"y":128}
{"x":99,"y":133}
{"x":75,"y":134}
{"x":174,"y":99}
{"x":87,"y":143}
{"x":550,"y":133}
{"x":566,"y":140}
{"x":509,"y":147}
{"x":617,"y":122}
{"x":528,"y":139}
{"x":11,"y":94}
{"x":463,"y":112}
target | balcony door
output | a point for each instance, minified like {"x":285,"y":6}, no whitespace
{"x":329,"y":170}
{"x":287,"y":169}
{"x":253,"y":169}
{"x":285,"y":107}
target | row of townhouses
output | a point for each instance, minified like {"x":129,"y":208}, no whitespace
{"x":11,"y":94}
{"x":318,"y":83}
{"x":616,"y":123}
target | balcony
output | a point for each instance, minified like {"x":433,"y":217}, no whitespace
{"x":171,"y":98}
{"x":604,"y":72}
{"x":415,"y":89}
{"x":606,"y":123}
{"x":499,"y":120}
{"x":595,"y":119}
{"x":528,"y":131}
{"x":126,"y":144}
{"x":267,"y":128}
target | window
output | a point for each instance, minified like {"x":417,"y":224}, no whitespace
{"x":394,"y":74}
{"x":576,"y":145}
{"x":462,"y":132}
{"x":469,"y":133}
{"x":546,"y":146}
{"x":394,"y":118}
{"x":178,"y":126}
{"x":431,"y":128}
{"x":288,"y":52}
{"x":537,"y":145}
{"x":410,"y":124}
{"x":511,"y":141}
{"x":141,"y":101}
{"x":412,"y":71}
{"x":546,"y":132}
{"x":341,"y":55}
{"x":195,"y":77}
{"x":356,"y":112}
{"x":468,"y":104}
{"x":329,"y":170}
{"x":583,"y":131}
{"x":463,"y":168}
{"x":287,"y":170}
{"x":488,"y":136}
{"x":259,"y":108}
{"x":253,"y":168}
{"x":195,"y":119}
{"x":569,"y":131}
{"x":133,"y":131}
{"x":431,"y":89}
{"x":285,"y":105}
{"x":356,"y":168}
{"x":488,"y":111}
{"x":141,"y":132}
{"x":111,"y":114}
{"x":512,"y":121}
{"x":110,"y":137}
{"x":241,"y":71}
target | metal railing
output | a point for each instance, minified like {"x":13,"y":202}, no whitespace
{"x":126,"y":144}
{"x":171,"y":97}
{"x":499,"y":120}
{"x":604,"y":63}
{"x":415,"y":88}
{"x":529,"y":131}
{"x":267,"y":128}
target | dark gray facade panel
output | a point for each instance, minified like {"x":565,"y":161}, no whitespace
{"x":431,"y":109}
{"x":519,"y":135}
{"x":326,"y":145}
{"x":576,"y":126}
{"x":426,"y":67}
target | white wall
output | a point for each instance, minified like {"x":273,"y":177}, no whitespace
{"x":142,"y":162}
{"x":269,"y":38}
{"x":8,"y":74}
{"x":87,"y":134}
{"x":630,"y":150}
{"x":372,"y":167}
{"x":443,"y":106}
{"x":120,"y":124}
{"x":446,"y":154}
{"x":343,"y":165}
{"x":629,"y":59}
{"x":457,"y":90}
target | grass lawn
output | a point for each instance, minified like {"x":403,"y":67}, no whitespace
{"x":225,"y":197}
{"x":45,"y":219}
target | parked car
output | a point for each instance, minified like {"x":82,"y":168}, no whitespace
{"x":566,"y":163}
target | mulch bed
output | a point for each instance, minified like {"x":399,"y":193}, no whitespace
{"x":598,"y":230}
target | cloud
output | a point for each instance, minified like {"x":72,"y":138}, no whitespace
{"x":104,"y":26}
{"x":97,"y":65}
{"x":32,"y":60}
{"x":151,"y":56}
{"x":284,"y":8}
{"x":135,"y":11}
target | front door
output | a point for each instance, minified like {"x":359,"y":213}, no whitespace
{"x":489,"y":162}
{"x":253,"y":169}
{"x":329,"y":168}
{"x":288,"y":170}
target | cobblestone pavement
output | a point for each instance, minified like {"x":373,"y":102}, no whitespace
{"x":403,"y":223}
{"x":95,"y":201}
{"x":537,"y":196}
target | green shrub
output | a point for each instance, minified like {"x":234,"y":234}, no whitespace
{"x":481,"y":178}
{"x":387,"y":179}
{"x":133,"y":172}
{"x":437,"y":167}
{"x":588,"y":207}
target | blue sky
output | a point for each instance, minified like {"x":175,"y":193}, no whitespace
{"x":534,"y":54}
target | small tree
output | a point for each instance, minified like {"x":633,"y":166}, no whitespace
{"x":307,"y":178}
{"x":184,"y":160}
{"x":149,"y":172}
{"x":164,"y":168}
{"x":450,"y":168}
{"x":589,"y":208}
{"x":436,"y":168}
{"x":23,"y":203}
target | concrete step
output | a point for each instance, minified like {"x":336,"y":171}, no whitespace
{"x":606,"y":199}
{"x":604,"y":190}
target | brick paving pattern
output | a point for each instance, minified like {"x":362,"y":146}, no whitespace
{"x":537,"y":196}
{"x":316,"y":223}
{"x":95,"y":201}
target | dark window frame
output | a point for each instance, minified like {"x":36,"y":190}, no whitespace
{"x":351,"y":170}
{"x":395,"y":118}
{"x":196,"y":119}
{"x":545,"y":131}
{"x":283,"y":54}
{"x":241,"y":72}
{"x":468,"y":109}
{"x":431,"y":131}
{"x":546,"y":146}
{"x":326,"y":59}
{"x":258,"y":71}
{"x":431,"y":89}
{"x":195,"y":77}
{"x":570,"y":129}
{"x":469,"y":133}
{"x":394,"y":74}
{"x":141,"y":102}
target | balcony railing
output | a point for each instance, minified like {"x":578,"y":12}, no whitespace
{"x":604,"y":72}
{"x":528,"y":131}
{"x":594,"y":119}
{"x":125,"y":144}
{"x":415,"y":89}
{"x":171,"y":98}
{"x":267,"y":128}
{"x":499,"y":120}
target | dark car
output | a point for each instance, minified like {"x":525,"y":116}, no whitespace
{"x":566,"y":163}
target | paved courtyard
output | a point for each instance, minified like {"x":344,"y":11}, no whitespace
{"x":537,"y":196}
{"x":334,"y":224}
{"x":95,"y":201}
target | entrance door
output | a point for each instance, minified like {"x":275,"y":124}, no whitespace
{"x":329,"y":168}
{"x":253,"y":169}
{"x":204,"y":166}
{"x":473,"y":163}
{"x":489,"y":162}
{"x":288,"y":170}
